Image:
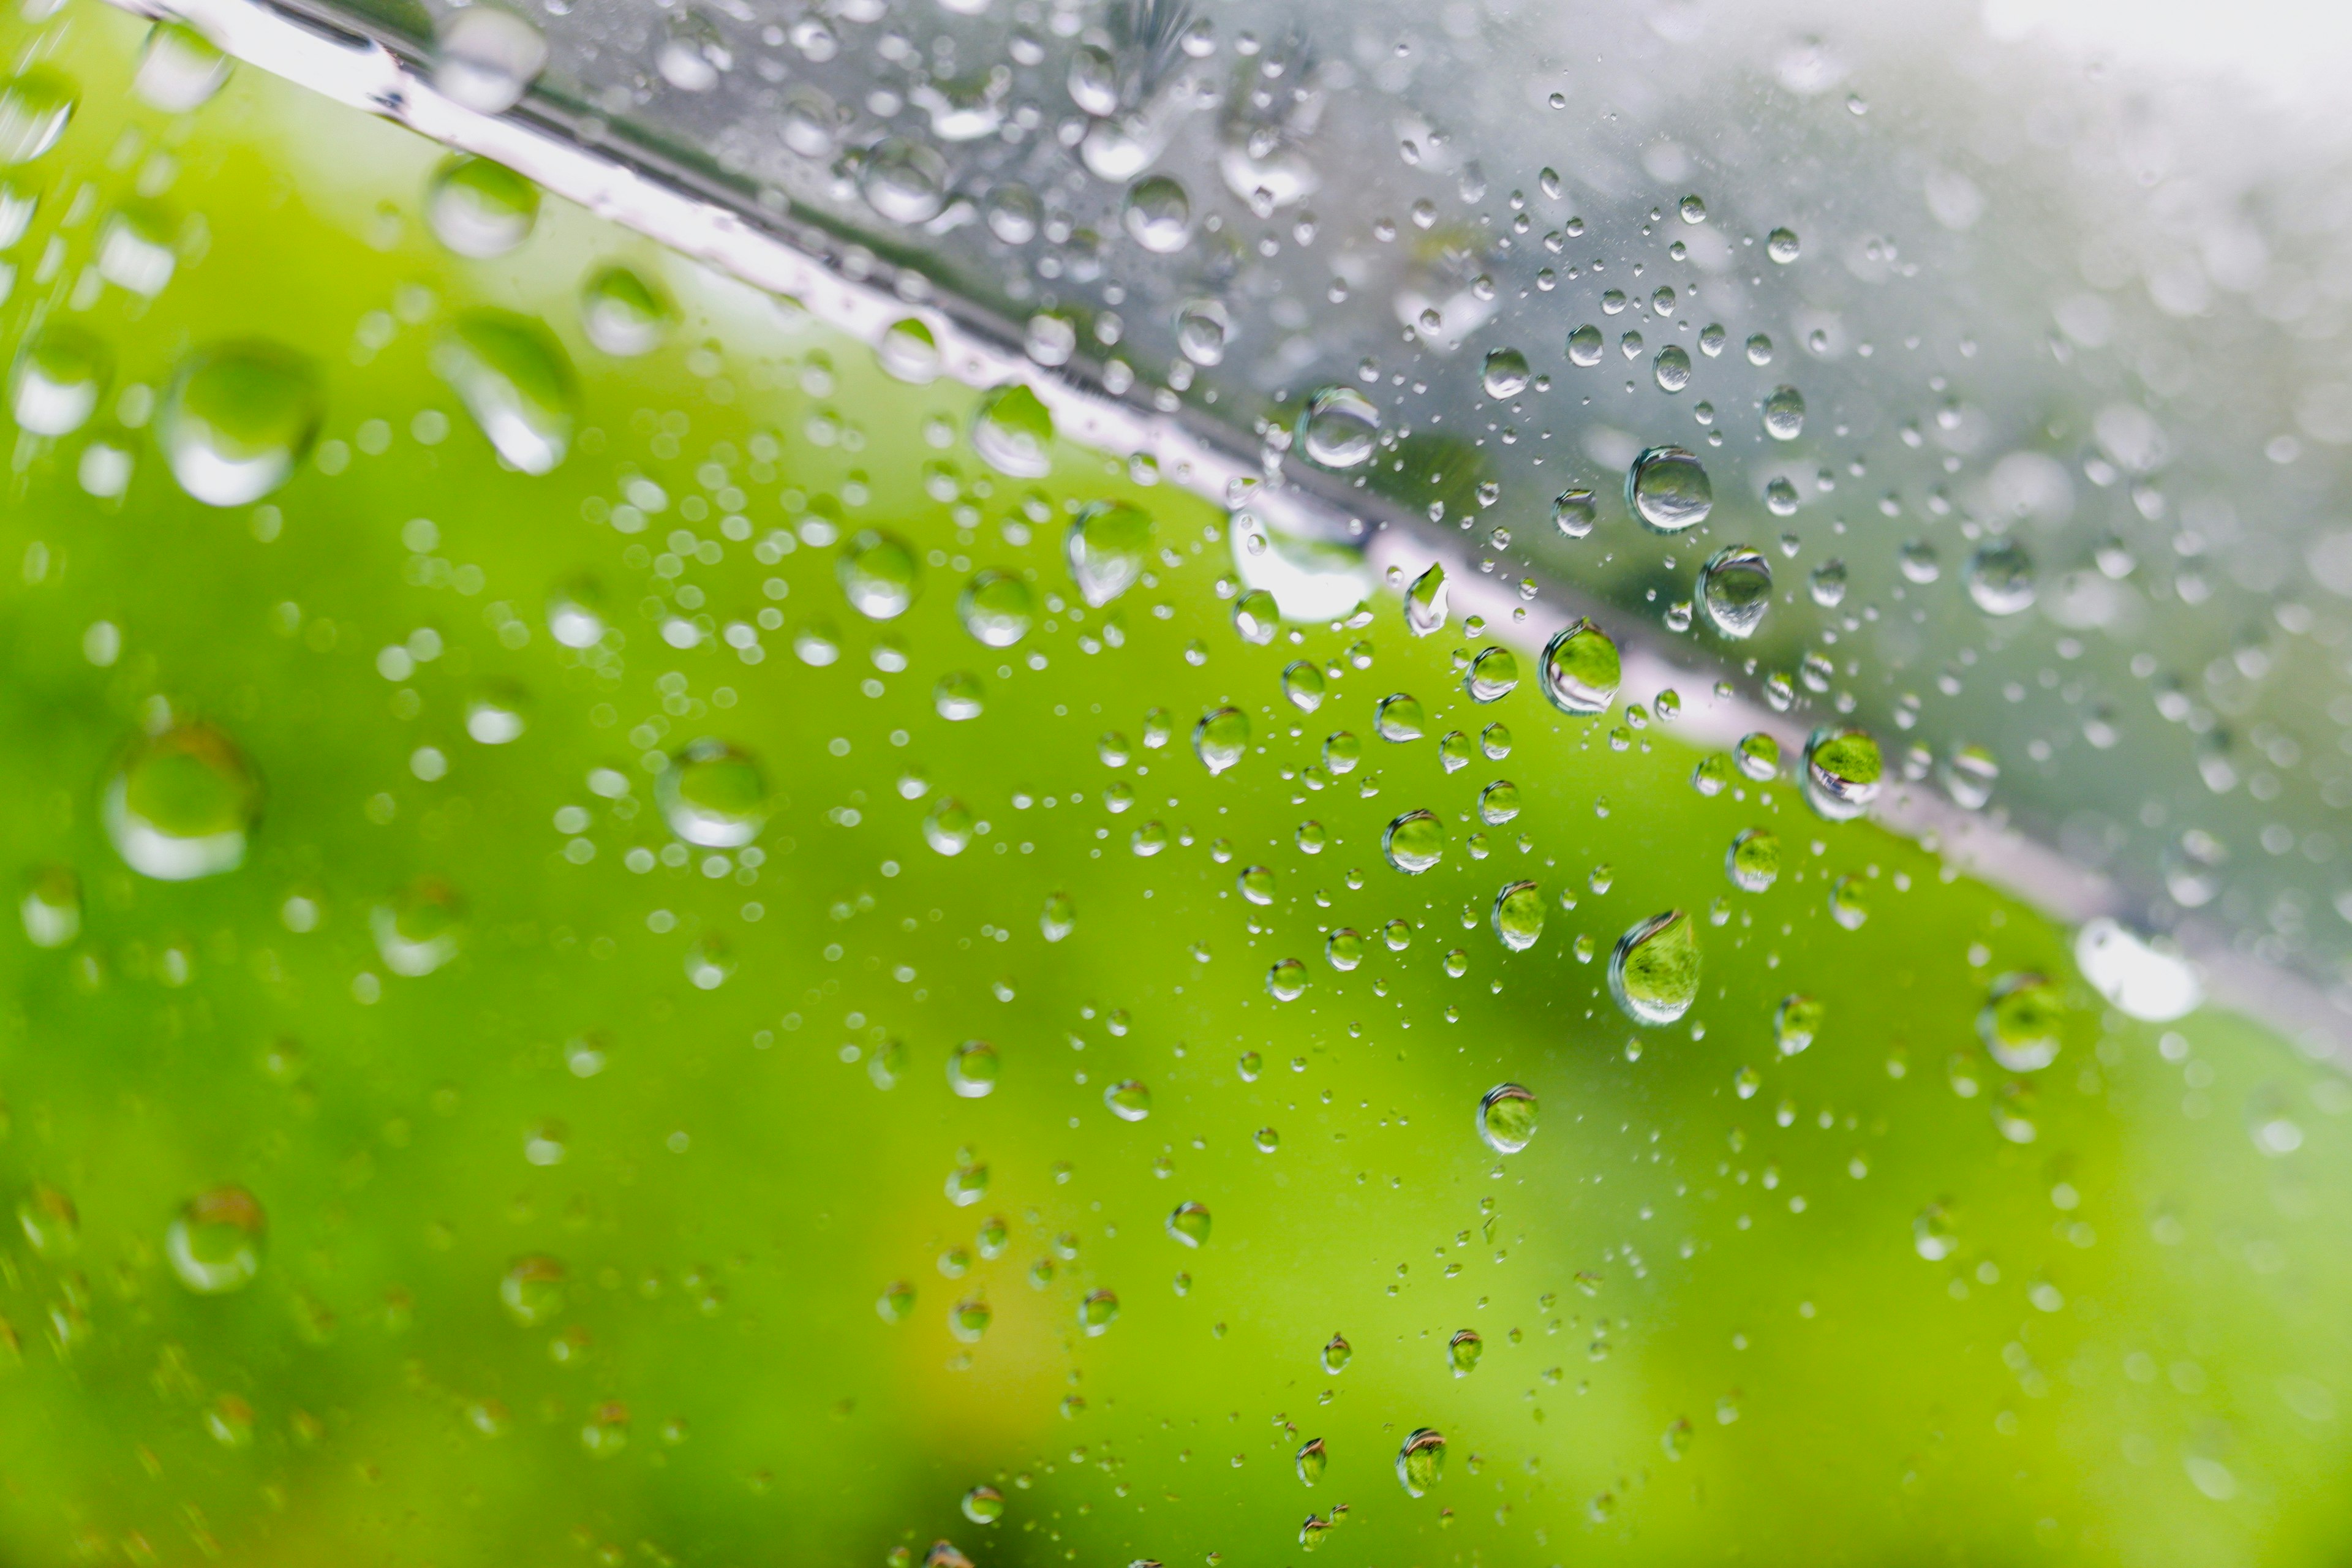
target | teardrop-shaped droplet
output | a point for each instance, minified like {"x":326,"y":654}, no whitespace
{"x":182,"y":804}
{"x":1734,"y":590}
{"x":1336,"y":1354}
{"x":1425,"y":603}
{"x":1581,"y":670}
{"x":1106,"y":549}
{"x":625,"y":313}
{"x":713,"y":794}
{"x":1340,"y":428}
{"x":1668,"y":490}
{"x":1519,"y":915}
{"x":238,"y":418}
{"x":516,"y":381}
{"x":1507,"y":1118}
{"x":1421,"y":1462}
{"x":1311,"y":1460}
{"x":1012,"y":431}
{"x":1842,"y":771}
{"x":1654,"y":970}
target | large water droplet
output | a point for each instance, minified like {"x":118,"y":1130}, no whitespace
{"x":905,"y":180}
{"x":1782,"y":246}
{"x":1654,"y":970}
{"x":179,"y":68}
{"x":1012,"y":431}
{"x":1414,"y":842}
{"x":1842,"y":771}
{"x":34,"y":109}
{"x":1189,"y":1223}
{"x":1735,"y":589}
{"x":1339,"y":427}
{"x":60,"y":374}
{"x":488,"y":59}
{"x":1421,"y":1462}
{"x":1784,"y":414}
{"x":1425,"y":603}
{"x":1507,"y":1118}
{"x":713,"y":794}
{"x":1311,"y":1460}
{"x":1222,"y":738}
{"x":1796,"y":1023}
{"x":1672,"y":368}
{"x":182,"y":804}
{"x":1505,"y":373}
{"x":1585,"y":346}
{"x":516,"y":381}
{"x":625,"y":313}
{"x":1202,"y":330}
{"x":996,"y":608}
{"x":214,"y":1243}
{"x":2000,"y":577}
{"x":1581,"y":670}
{"x":1668,"y":490}
{"x":1398,"y":718}
{"x":1158,"y":214}
{"x":908,"y":352}
{"x":1304,"y":684}
{"x":1257,"y":617}
{"x":1106,"y":549}
{"x":238,"y":418}
{"x":2022,"y":1022}
{"x":478,"y":208}
{"x":877,"y":574}
{"x":1519,"y":915}
{"x":1493,"y":675}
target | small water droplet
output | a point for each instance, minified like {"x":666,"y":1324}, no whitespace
{"x":1672,"y":368}
{"x":1158,"y":214}
{"x":1842,"y":771}
{"x":713,"y":794}
{"x":214,"y":1243}
{"x":1302,"y":684}
{"x":1782,"y":246}
{"x":1573,"y":513}
{"x":2000,"y":577}
{"x":1398,"y":718}
{"x":60,"y":374}
{"x":973,"y":1068}
{"x":1796,"y":1023}
{"x":1753,"y":861}
{"x":487,"y":58}
{"x":2022,"y":1022}
{"x":1734,"y":590}
{"x":478,"y":208}
{"x":1011,"y":430}
{"x":1221,"y":739}
{"x":1507,"y":1118}
{"x":516,"y":381}
{"x":1426,"y":603}
{"x":1188,"y":1224}
{"x":1585,"y":346}
{"x":1518,"y":916}
{"x":1493,"y":675}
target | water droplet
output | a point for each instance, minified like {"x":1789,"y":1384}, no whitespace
{"x":948,"y":826}
{"x":968,"y":1320}
{"x":1585,"y":346}
{"x":1918,"y":562}
{"x":1287,"y":980}
{"x":2133,"y":972}
{"x":2000,"y":577}
{"x":1507,"y":1118}
{"x":1759,"y":756}
{"x":1842,"y":772}
{"x":51,"y":908}
{"x":1498,"y":802}
{"x":1735,"y":589}
{"x":973,"y":1069}
{"x":1970,"y":773}
{"x":181,"y":803}
{"x":50,"y":1222}
{"x":1573,"y":513}
{"x":1105,"y":550}
{"x":1158,"y":214}
{"x":135,"y":249}
{"x":478,"y":208}
{"x":33,"y":108}
{"x":1753,"y":861}
{"x":1667,"y":488}
{"x":1128,"y":1100}
{"x":532,"y":1289}
{"x":1336,"y":1354}
{"x":996,"y":608}
{"x":877,"y":574}
{"x":1058,"y":919}
{"x":1693,"y":210}
{"x":1519,"y":915}
{"x":1784,"y":414}
{"x":179,"y":68}
{"x":1827,"y":583}
{"x":1098,"y":1310}
{"x":1266,"y":1140}
{"x":1414,"y":842}
{"x":419,"y":930}
{"x":1796,"y":1023}
{"x":2022,"y":1022}
{"x":1850,"y":902}
{"x":713,"y":794}
{"x":957,"y":696}
{"x":624,"y":312}
{"x":1493,"y":675}
{"x":1421,"y":1462}
{"x":1202,"y":330}
{"x":516,"y":381}
{"x":1344,"y":947}
{"x":1505,"y":373}
{"x":1425,"y":603}
{"x":1011,"y":430}
{"x":488,"y":59}
{"x":1782,"y":246}
{"x":1256,"y":884}
{"x":214,"y":1243}
{"x":238,"y":418}
{"x":1931,"y":1233}
{"x":1339,"y":427}
{"x":905,"y":180}
{"x":983,"y":1505}
{"x":908,"y":352}
{"x":1398,"y":718}
{"x":1672,"y":369}
{"x":1463,"y":1351}
{"x":1581,"y":670}
{"x":1221,"y":739}
{"x":1302,"y":684}
{"x":60,"y":374}
{"x":1257,"y":617}
{"x":1188,"y":1223}
{"x":1341,"y":752}
{"x":1312,"y":1460}
{"x":1654,"y":972}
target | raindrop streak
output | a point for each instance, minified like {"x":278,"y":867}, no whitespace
{"x":238,"y":418}
{"x":1505,"y":373}
{"x":1221,"y":739}
{"x":713,"y":794}
{"x":1188,"y":1224}
{"x":1753,"y":861}
{"x":1518,"y":916}
{"x":2000,"y":577}
{"x":2022,"y":1021}
{"x":182,"y":804}
{"x":1421,"y":1462}
{"x":1735,"y":589}
{"x":877,"y":574}
{"x":1011,"y":430}
{"x":1414,"y":842}
{"x":1425,"y":603}
{"x":214,"y":1243}
{"x":1842,"y":772}
{"x":1105,"y":550}
{"x":1654,"y":972}
{"x":1784,"y":414}
{"x":516,"y":381}
{"x":34,"y":109}
{"x":996,"y":608}
{"x":478,"y":208}
{"x":1339,"y":427}
{"x":1581,"y":670}
{"x":1507,"y":1118}
{"x":1492,"y":676}
{"x":1668,"y":490}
